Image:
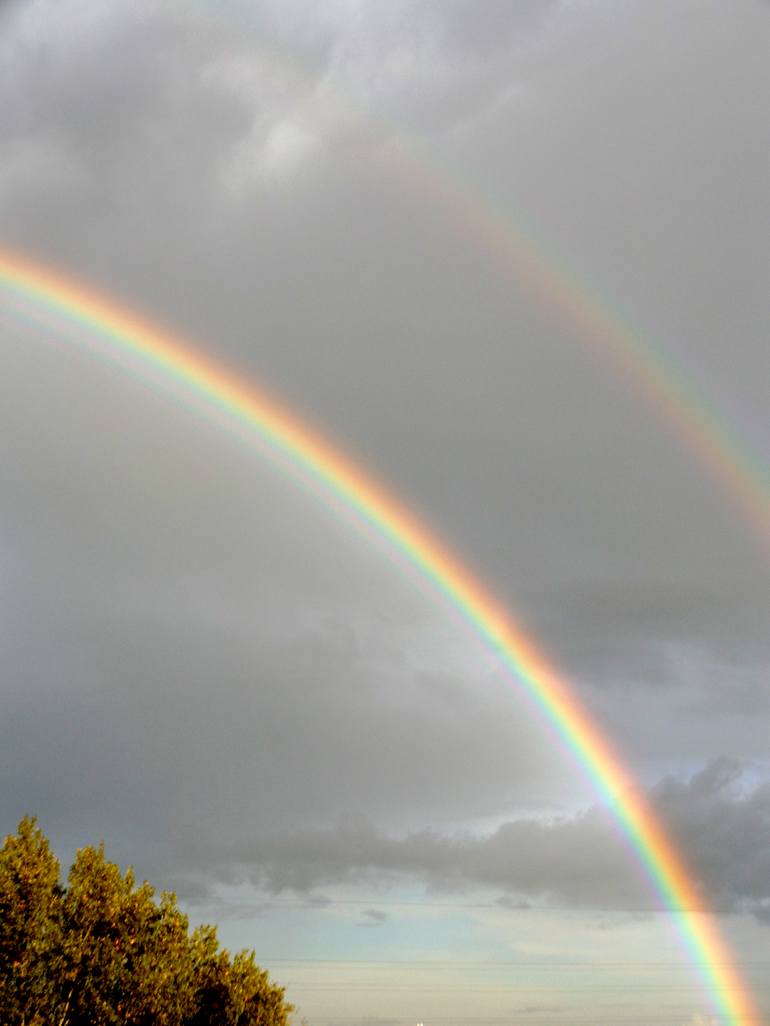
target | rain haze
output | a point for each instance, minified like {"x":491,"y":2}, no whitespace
{"x":512,"y":259}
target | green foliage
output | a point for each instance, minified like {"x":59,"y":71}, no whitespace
{"x":102,"y":951}
{"x":30,"y":927}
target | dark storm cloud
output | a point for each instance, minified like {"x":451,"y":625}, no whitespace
{"x":720,"y":819}
{"x":179,"y":654}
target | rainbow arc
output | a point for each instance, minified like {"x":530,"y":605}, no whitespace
{"x":41,"y":292}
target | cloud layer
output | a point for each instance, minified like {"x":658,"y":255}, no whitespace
{"x":719,"y":818}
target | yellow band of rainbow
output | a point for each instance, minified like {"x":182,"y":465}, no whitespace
{"x":121,"y":332}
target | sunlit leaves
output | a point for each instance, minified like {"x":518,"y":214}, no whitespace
{"x":103,"y":951}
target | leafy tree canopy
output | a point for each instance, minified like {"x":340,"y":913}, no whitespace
{"x":102,"y":951}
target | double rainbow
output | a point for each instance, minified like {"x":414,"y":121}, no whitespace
{"x":156,"y":352}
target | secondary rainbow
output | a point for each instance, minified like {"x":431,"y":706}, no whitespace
{"x":668,"y":392}
{"x":652,"y":374}
{"x":120,"y":333}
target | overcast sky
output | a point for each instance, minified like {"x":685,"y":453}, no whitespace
{"x":249,"y":700}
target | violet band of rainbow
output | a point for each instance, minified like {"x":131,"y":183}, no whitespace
{"x":159,"y":351}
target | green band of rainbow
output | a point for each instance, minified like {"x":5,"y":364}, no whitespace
{"x":122,"y":333}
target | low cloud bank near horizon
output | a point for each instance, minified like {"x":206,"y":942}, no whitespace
{"x":719,"y":818}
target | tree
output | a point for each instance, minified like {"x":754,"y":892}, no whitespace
{"x":30,"y":927}
{"x":102,"y":951}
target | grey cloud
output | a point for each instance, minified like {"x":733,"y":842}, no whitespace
{"x":374,"y":917}
{"x":491,"y":24}
{"x":571,"y":859}
{"x":719,"y":819}
{"x":723,"y":823}
{"x":426,"y":67}
{"x":187,"y":734}
{"x":109,"y":99}
{"x":199,"y":90}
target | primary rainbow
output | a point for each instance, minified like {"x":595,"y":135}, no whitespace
{"x":123,"y":334}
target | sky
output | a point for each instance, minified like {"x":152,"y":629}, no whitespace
{"x":250,"y":698}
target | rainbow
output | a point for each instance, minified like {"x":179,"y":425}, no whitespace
{"x":125,"y":336}
{"x":651,"y":374}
